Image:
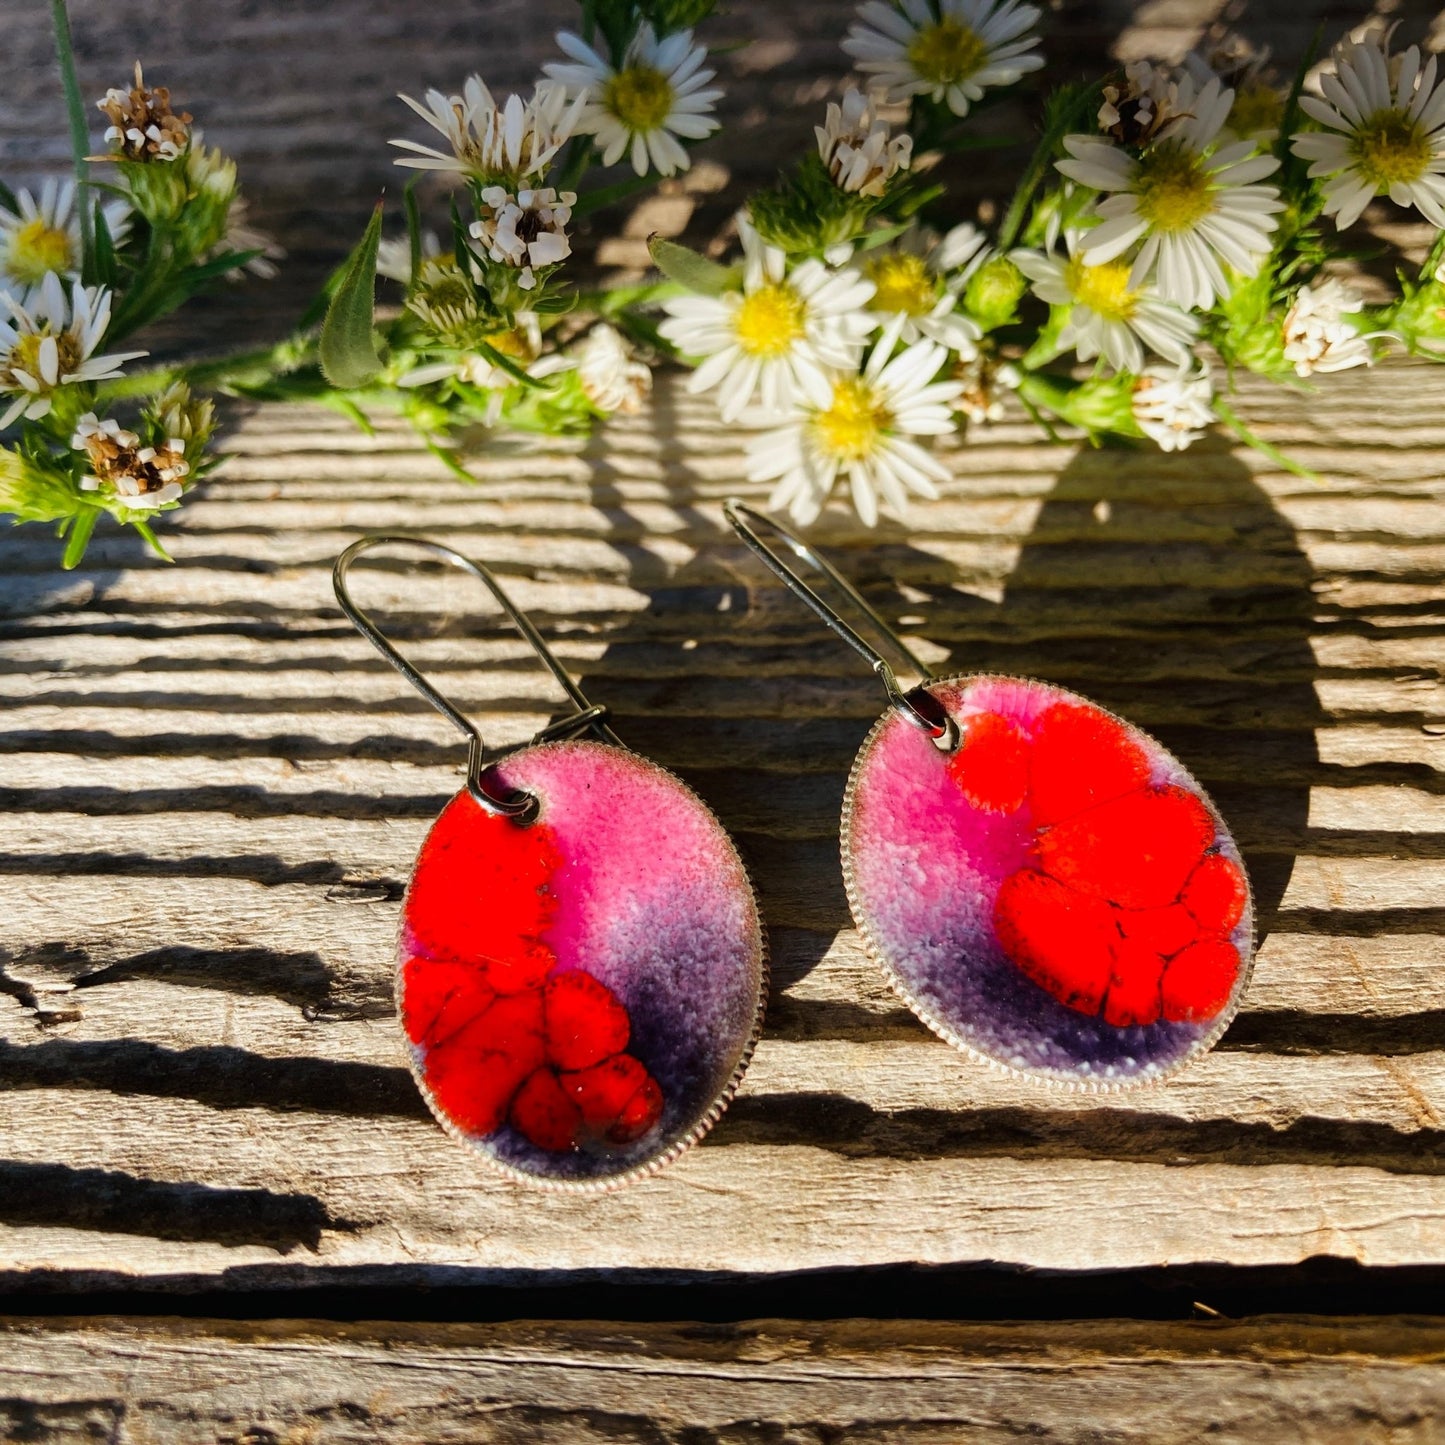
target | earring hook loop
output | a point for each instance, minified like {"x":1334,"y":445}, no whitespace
{"x":917,"y":704}
{"x":517,"y":805}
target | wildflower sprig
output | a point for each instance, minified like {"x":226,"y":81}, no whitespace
{"x":146,"y":221}
{"x":1172,"y":226}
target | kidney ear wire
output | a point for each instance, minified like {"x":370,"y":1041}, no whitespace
{"x":588,"y":716}
{"x":916,"y":704}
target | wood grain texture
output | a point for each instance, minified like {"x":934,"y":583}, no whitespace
{"x":304,"y":1383}
{"x":213,"y":793}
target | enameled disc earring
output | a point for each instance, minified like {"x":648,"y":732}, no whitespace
{"x":1042,"y":882}
{"x":581,"y":967}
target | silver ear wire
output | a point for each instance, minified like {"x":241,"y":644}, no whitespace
{"x":519,"y":805}
{"x":917,"y":704}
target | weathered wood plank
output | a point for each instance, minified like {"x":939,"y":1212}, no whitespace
{"x":334,"y":1384}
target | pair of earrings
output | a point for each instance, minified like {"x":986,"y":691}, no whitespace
{"x":582,"y":969}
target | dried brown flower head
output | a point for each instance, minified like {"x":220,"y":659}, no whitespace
{"x":143,"y":127}
{"x":142,"y":477}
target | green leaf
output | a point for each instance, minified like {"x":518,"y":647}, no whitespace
{"x":348,"y":344}
{"x":504,"y":362}
{"x":7,"y":199}
{"x":413,"y":229}
{"x":103,"y":265}
{"x":688,"y":268}
{"x":79,"y":538}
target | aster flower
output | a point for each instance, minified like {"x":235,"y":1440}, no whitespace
{"x":50,"y":342}
{"x":526,"y":230}
{"x":143,"y":127}
{"x":1193,"y":207}
{"x":1316,"y":335}
{"x":445,"y":300}
{"x":1384,"y":120}
{"x":141,"y":478}
{"x":1173,"y":406}
{"x":950,"y":50}
{"x":488,"y":141}
{"x":858,"y":147}
{"x":1258,"y":101}
{"x":611,"y":379}
{"x":920,"y":281}
{"x":643,"y":106}
{"x":775,"y":337}
{"x":862,"y":428}
{"x":43,"y":235}
{"x":393,"y":255}
{"x":1108,"y":316}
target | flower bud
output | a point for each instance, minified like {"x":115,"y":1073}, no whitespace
{"x":993,"y":293}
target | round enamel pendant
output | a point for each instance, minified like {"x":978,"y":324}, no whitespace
{"x":1057,"y":896}
{"x":580,"y":992}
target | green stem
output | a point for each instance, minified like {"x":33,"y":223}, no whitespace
{"x":79,"y":132}
{"x":1070,"y":107}
{"x":1433,"y":259}
{"x":1252,"y":438}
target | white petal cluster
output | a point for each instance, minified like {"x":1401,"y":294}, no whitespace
{"x":858,"y":146}
{"x":985,"y":379}
{"x":1316,"y":335}
{"x":950,"y":50}
{"x":1384,"y":131}
{"x":611,"y":378}
{"x":861,"y":427}
{"x":1191,"y":206}
{"x":1173,"y":406}
{"x":647,"y":106}
{"x":528,"y":230}
{"x":512,"y":141}
{"x":776,"y":337}
{"x":50,"y":342}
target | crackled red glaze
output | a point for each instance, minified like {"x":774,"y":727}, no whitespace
{"x":579,"y":991}
{"x":1057,"y":893}
{"x":506,"y":1034}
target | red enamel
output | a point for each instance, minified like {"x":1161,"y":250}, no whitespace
{"x":1124,"y":911}
{"x":504,"y":1034}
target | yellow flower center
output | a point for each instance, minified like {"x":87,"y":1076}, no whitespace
{"x":512,"y":342}
{"x":848,"y":430}
{"x":36,"y":249}
{"x":946,"y":52}
{"x":1103,"y":289}
{"x":1256,"y":109}
{"x":902,"y":283}
{"x":770,"y":320}
{"x":1175,"y":190}
{"x":1390,"y":148}
{"x":640,"y":97}
{"x":25,"y":356}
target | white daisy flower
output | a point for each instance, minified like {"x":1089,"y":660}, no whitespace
{"x":950,"y":50}
{"x":1108,"y":316}
{"x":920,"y":282}
{"x":43,"y":235}
{"x":526,"y":230}
{"x":492,"y":142}
{"x":858,"y":147}
{"x":139,"y":477}
{"x":50,"y":342}
{"x":1193,"y":206}
{"x":1382,"y":136}
{"x":776,"y":336}
{"x":862,"y":429}
{"x":1173,"y":407}
{"x":1316,"y":335}
{"x":1258,"y":102}
{"x":611,"y":378}
{"x":643,"y":106}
